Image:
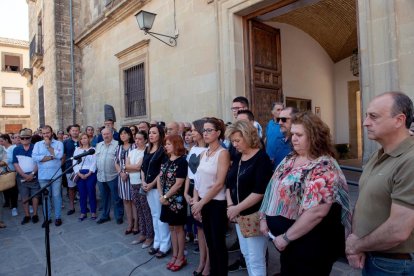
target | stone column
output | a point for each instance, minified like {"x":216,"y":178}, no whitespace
{"x":386,"y":31}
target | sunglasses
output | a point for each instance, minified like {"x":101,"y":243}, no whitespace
{"x":208,"y":130}
{"x":283,"y":119}
{"x":25,"y":138}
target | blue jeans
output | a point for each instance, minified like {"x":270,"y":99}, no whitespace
{"x":87,"y":190}
{"x":379,"y":266}
{"x":109,"y":194}
{"x":54,"y":193}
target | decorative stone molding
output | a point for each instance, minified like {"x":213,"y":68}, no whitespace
{"x":108,"y":20}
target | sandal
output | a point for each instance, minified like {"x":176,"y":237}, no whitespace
{"x":82,"y":217}
{"x":2,"y":225}
{"x":176,"y":267}
{"x":161,"y":254}
{"x":172,"y":262}
{"x":152,"y":251}
{"x":127,"y":232}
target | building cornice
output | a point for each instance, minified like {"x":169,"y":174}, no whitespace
{"x":132,"y":48}
{"x":108,"y":20}
{"x":14,"y":43}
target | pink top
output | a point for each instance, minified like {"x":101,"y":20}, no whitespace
{"x":206,"y":176}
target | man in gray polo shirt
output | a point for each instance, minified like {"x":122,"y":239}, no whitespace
{"x":382,"y":242}
{"x":108,"y":177}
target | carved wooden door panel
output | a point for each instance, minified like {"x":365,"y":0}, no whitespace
{"x":265,"y":67}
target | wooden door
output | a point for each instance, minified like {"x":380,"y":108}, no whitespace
{"x":265,"y":68}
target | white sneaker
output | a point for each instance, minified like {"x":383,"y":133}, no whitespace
{"x":14,"y":212}
{"x":30,"y":209}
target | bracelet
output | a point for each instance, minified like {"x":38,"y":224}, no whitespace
{"x":284,"y":236}
{"x":230,"y":205}
{"x":262,"y":218}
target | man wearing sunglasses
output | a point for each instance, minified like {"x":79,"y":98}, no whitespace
{"x":26,"y":174}
{"x":283,"y":145}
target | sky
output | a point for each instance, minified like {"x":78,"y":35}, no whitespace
{"x":14,"y":19}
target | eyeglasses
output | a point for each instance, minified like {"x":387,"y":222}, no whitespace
{"x":25,"y":138}
{"x":208,"y":130}
{"x":283,"y":119}
{"x":236,"y":108}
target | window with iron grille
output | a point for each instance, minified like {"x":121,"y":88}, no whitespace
{"x":134,"y":86}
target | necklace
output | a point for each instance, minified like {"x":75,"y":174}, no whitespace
{"x":209,"y":152}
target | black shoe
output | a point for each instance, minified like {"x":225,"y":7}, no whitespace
{"x":25,"y":220}
{"x":119,"y":221}
{"x":44,"y":223}
{"x":234,"y":247}
{"x":237,"y":266}
{"x":71,"y":212}
{"x":196,"y":250}
{"x":102,"y":220}
{"x":35,"y":219}
{"x":58,"y":222}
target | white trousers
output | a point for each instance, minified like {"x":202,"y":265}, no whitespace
{"x":254,"y":252}
{"x":162,"y":236}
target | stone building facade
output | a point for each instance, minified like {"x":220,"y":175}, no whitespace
{"x":52,"y":93}
{"x":15,"y":96}
{"x":298,"y":51}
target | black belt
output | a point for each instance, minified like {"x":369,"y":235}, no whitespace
{"x":395,"y":256}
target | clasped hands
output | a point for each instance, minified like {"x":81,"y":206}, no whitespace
{"x":355,"y":258}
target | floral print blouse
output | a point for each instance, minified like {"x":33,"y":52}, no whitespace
{"x":170,"y":171}
{"x":292,"y":191}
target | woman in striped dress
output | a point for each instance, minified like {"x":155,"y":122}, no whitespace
{"x":126,"y":145}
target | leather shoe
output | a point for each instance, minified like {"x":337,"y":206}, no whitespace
{"x":25,"y":220}
{"x":58,"y":222}
{"x":44,"y":223}
{"x":35,"y":219}
{"x":102,"y":220}
{"x":119,"y":221}
{"x":71,"y":212}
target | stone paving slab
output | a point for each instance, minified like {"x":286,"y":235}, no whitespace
{"x":86,"y":248}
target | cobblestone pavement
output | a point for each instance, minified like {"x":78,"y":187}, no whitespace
{"x":85,"y":248}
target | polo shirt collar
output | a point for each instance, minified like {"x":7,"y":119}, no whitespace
{"x":404,"y":146}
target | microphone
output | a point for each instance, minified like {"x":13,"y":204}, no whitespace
{"x":79,"y":156}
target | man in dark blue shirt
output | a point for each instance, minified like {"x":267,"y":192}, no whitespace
{"x":69,"y":146}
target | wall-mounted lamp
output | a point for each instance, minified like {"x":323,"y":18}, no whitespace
{"x":354,"y":62}
{"x":146,"y":19}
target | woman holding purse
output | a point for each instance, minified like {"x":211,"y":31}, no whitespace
{"x":246,"y":184}
{"x":86,"y":182}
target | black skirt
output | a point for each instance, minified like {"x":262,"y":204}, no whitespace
{"x":173,"y":218}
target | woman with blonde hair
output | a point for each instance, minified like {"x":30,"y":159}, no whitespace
{"x":246,"y":183}
{"x":87,"y":177}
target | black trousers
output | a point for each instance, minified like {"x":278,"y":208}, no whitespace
{"x":315,"y":252}
{"x":10,"y":196}
{"x":214,"y":225}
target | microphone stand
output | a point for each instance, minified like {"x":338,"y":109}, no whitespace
{"x":45,"y":195}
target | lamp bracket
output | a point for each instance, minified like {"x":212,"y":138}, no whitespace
{"x":172,"y":42}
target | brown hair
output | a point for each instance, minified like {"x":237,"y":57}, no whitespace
{"x":177,"y":143}
{"x":218,"y":125}
{"x":80,"y":138}
{"x":320,"y":139}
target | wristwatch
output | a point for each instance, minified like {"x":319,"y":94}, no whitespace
{"x":284,"y":236}
{"x":165,"y":197}
{"x":33,"y":173}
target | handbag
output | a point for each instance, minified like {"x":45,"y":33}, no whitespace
{"x":74,"y":177}
{"x":7,"y":179}
{"x":249,"y":224}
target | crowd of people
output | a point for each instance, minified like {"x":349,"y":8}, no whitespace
{"x":176,"y":180}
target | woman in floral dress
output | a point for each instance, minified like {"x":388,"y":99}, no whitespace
{"x":171,"y":189}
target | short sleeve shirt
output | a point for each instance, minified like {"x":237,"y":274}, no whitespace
{"x":386,"y":179}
